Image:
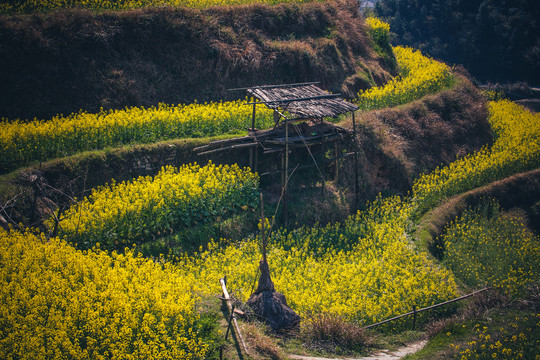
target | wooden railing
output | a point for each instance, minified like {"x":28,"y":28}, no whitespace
{"x":414,"y":311}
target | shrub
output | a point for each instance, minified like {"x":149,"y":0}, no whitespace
{"x":331,"y":333}
{"x":379,"y":30}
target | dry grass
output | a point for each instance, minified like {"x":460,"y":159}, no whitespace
{"x":400,"y":143}
{"x":68,"y":60}
{"x":264,"y":345}
{"x":332,"y":334}
{"x":477,"y":307}
{"x":308,"y":206}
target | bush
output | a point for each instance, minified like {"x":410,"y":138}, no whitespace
{"x":332,"y":333}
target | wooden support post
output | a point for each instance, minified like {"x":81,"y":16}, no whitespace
{"x":263,"y":232}
{"x":277,"y":116}
{"x":227,"y":299}
{"x":253,"y":118}
{"x":256,"y":158}
{"x":414,"y":317}
{"x":356,"y":174}
{"x":252,"y":129}
{"x":336,"y":163}
{"x":323,"y":170}
{"x":282,"y":171}
{"x":286,"y":193}
{"x":230,"y":322}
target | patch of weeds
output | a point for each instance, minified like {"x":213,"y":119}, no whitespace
{"x":394,"y":341}
{"x":259,"y":339}
{"x":330,"y":334}
{"x":191,"y":240}
{"x":208,"y":326}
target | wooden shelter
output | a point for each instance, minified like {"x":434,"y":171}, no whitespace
{"x":292,"y":103}
{"x":302,"y":101}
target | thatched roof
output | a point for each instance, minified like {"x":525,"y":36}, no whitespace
{"x":303,"y":101}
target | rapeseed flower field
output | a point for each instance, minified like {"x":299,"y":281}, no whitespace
{"x":121,"y":214}
{"x":22,"y":142}
{"x":419,"y":75}
{"x":59,"y":302}
{"x":365,"y":270}
{"x":484,"y":247}
{"x":516,"y":149}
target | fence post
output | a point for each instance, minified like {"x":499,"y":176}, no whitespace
{"x":227,"y":299}
{"x":414,"y":317}
{"x":230,"y":322}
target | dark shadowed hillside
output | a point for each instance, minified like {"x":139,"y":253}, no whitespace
{"x":496,"y":40}
{"x":69,"y":60}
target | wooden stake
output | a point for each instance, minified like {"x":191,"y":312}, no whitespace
{"x":252,"y":129}
{"x":253,"y":118}
{"x":256,"y":159}
{"x":263,"y":232}
{"x":282,"y":171}
{"x":230,"y":322}
{"x":286,"y":194}
{"x":227,"y":299}
{"x":323,"y":170}
{"x":57,"y":221}
{"x":356,"y":186}
{"x":336,"y":163}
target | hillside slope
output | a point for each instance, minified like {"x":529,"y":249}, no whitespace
{"x":69,"y":60}
{"x":396,"y":146}
{"x":399,"y":144}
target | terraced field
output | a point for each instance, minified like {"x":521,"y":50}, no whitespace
{"x":88,"y":294}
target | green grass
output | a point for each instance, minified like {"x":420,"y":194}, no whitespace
{"x":453,"y":340}
{"x":189,"y":241}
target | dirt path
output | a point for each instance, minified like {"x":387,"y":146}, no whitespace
{"x":381,"y":355}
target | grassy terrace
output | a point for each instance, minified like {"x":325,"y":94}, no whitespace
{"x":23,"y":142}
{"x":31,"y":6}
{"x":104,"y":302}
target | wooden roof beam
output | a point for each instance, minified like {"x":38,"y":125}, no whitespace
{"x":274,"y":86}
{"x":286,"y":101}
